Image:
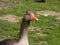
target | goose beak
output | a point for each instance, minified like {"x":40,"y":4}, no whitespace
{"x":33,"y":17}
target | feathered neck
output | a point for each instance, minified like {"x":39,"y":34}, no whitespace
{"x":24,"y":28}
{"x":23,"y":39}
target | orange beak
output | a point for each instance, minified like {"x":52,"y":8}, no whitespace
{"x":33,"y":17}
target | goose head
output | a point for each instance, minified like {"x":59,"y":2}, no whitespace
{"x":30,"y":16}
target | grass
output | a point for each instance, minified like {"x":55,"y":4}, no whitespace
{"x":49,"y":25}
{"x":12,"y":29}
{"x":19,"y":7}
{"x":52,"y":32}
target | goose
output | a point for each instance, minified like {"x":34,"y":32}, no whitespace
{"x":23,"y":38}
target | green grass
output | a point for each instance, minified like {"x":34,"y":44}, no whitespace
{"x":52,"y":32}
{"x":19,"y":7}
{"x":53,"y":38}
{"x":49,"y":25}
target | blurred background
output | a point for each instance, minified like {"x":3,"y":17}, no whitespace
{"x":45,"y":32}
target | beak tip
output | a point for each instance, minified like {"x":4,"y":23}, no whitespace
{"x":37,"y":19}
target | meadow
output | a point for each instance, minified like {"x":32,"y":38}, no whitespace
{"x":47,"y":31}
